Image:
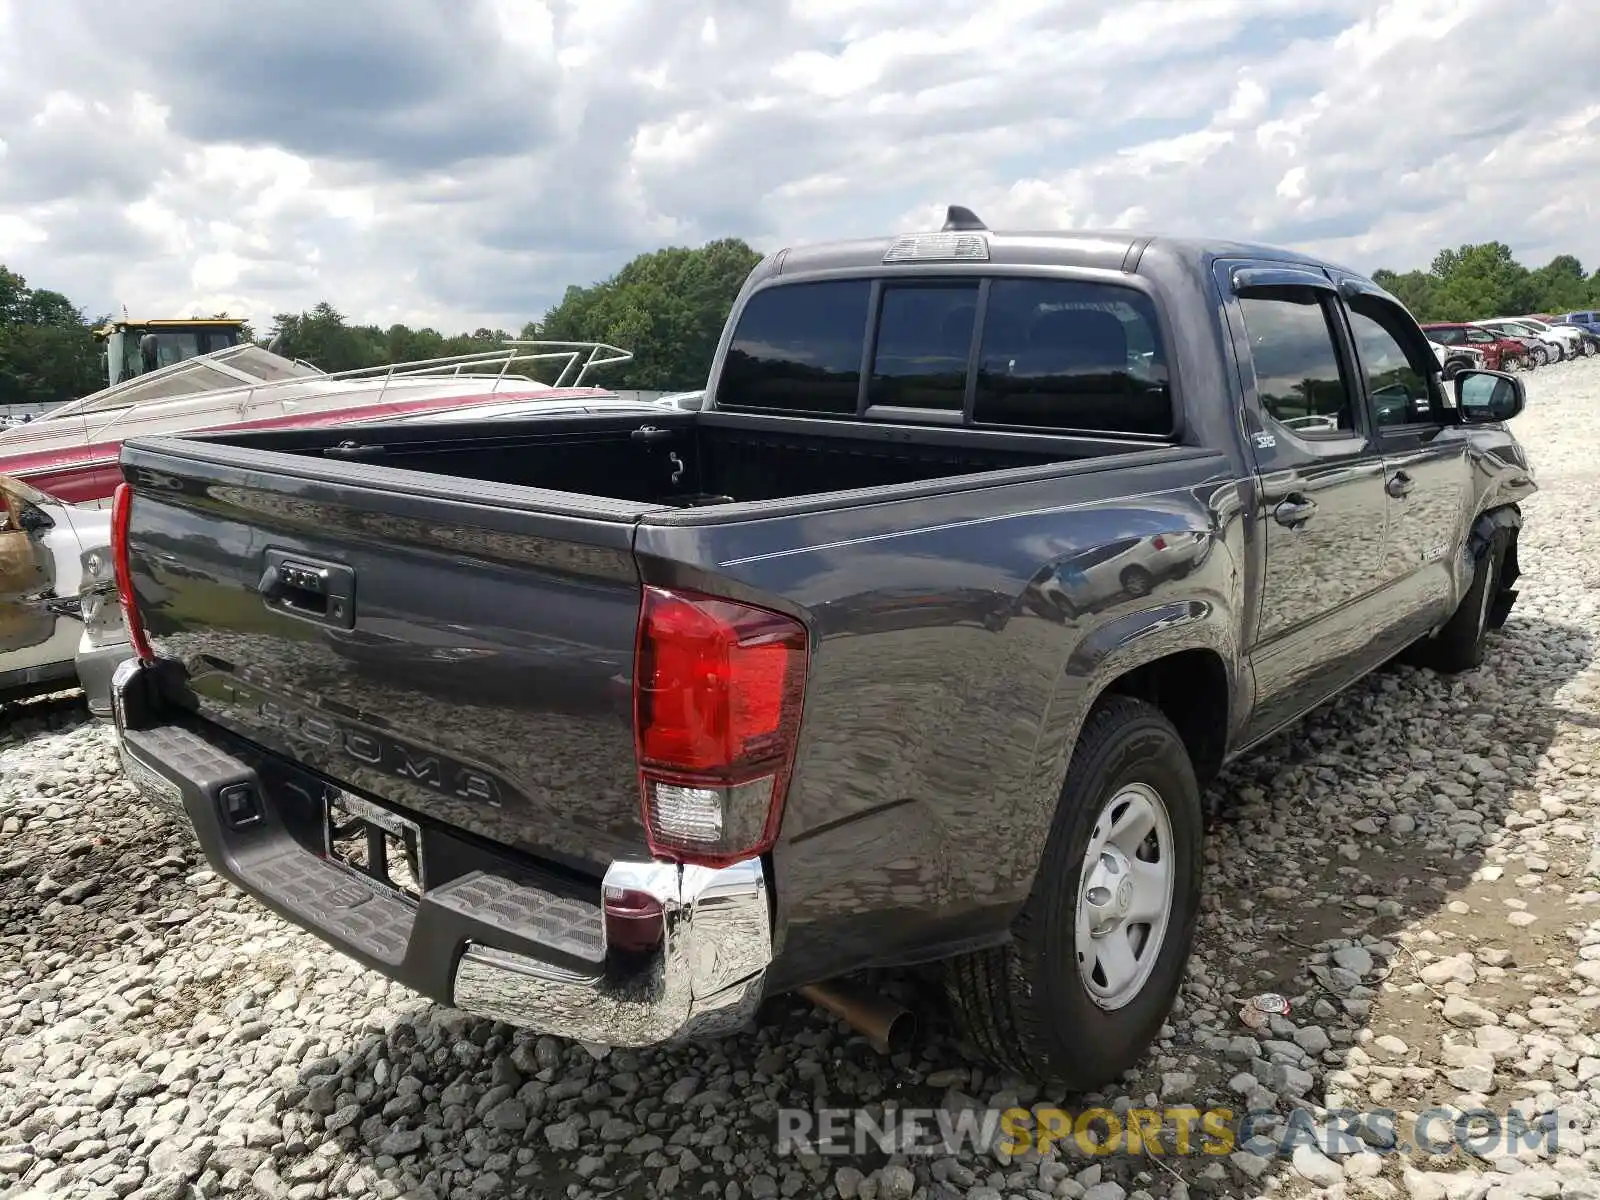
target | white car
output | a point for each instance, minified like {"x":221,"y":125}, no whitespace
{"x":1560,"y":343}
{"x":55,"y":584}
{"x":1455,"y":359}
{"x":1570,"y":336}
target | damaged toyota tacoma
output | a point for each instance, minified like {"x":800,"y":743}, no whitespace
{"x":918,"y":640}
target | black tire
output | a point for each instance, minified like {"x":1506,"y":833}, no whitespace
{"x":1460,"y":645}
{"x":1453,"y":368}
{"x":1136,"y":581}
{"x":1541,"y":356}
{"x":1025,"y":1005}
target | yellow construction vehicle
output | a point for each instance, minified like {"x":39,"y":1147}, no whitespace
{"x":136,"y":347}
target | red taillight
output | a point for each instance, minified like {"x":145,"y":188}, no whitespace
{"x":718,"y":689}
{"x":121,"y":508}
{"x":1158,"y":542}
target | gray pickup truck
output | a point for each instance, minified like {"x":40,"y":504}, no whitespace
{"x":917,"y":641}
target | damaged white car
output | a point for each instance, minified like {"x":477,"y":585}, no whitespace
{"x":59,"y":622}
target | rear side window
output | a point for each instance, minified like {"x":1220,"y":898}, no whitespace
{"x":798,"y":348}
{"x":1298,"y":379}
{"x":1059,"y":354}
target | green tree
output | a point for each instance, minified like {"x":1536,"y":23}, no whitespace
{"x":47,"y":349}
{"x":323,"y":337}
{"x":1561,"y":286}
{"x":668,"y":307}
{"x":1484,"y":280}
{"x":1415,"y":289}
{"x":1472,"y":282}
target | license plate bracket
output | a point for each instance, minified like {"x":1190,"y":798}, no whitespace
{"x":373,"y":842}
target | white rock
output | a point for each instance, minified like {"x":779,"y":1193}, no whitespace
{"x":1310,"y":1163}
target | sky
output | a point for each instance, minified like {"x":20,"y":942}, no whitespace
{"x":458,"y":163}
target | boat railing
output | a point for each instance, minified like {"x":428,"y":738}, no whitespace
{"x":577,"y":360}
{"x":513,"y":361}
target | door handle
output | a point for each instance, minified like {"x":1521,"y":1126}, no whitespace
{"x":313,"y":591}
{"x":1399,"y":485}
{"x":1294,"y":510}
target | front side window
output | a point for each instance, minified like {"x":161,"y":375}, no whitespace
{"x":1066,"y":354}
{"x":798,"y":349}
{"x":1298,"y":377}
{"x":1400,"y":391}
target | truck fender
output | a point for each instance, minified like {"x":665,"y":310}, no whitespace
{"x":1097,"y":660}
{"x":1507,"y":518}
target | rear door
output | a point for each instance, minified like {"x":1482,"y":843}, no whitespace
{"x":1321,"y":505}
{"x":1427,"y":470}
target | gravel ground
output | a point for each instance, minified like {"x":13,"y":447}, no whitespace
{"x":1416,"y":866}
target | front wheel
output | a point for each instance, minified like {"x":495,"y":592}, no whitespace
{"x":1541,"y":356}
{"x":1098,"y":950}
{"x":1461,"y":644}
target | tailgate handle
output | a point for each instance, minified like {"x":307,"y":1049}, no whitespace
{"x":311,"y":590}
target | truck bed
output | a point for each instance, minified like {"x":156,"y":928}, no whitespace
{"x":680,"y":459}
{"x":480,"y":671}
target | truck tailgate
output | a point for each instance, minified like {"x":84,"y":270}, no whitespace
{"x":448,"y":647}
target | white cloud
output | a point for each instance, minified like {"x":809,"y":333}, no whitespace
{"x":459,"y":162}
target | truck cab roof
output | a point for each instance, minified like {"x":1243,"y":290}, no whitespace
{"x":1108,"y":250}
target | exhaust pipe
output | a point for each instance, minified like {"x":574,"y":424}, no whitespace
{"x":887,"y":1025}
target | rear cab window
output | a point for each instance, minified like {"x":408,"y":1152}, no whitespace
{"x":1045,"y":355}
{"x":798,"y":349}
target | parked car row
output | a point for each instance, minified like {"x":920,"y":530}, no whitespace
{"x":1520,"y":343}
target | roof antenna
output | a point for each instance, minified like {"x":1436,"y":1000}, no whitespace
{"x":957,"y":217}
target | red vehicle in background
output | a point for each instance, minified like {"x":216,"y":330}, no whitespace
{"x":1499,"y":353}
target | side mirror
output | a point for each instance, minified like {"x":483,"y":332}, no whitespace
{"x":1484,"y":397}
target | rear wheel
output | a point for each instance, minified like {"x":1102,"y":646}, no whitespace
{"x":1097,"y":952}
{"x":1541,"y":356}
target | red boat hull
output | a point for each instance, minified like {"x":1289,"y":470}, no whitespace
{"x":90,"y":472}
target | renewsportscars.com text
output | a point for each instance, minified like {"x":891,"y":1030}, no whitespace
{"x":1179,"y":1131}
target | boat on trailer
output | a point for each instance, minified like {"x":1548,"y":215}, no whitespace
{"x":70,"y":453}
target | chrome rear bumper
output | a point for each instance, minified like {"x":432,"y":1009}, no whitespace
{"x":490,"y":940}
{"x":704,"y":981}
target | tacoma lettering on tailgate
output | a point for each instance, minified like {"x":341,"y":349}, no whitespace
{"x":369,"y":748}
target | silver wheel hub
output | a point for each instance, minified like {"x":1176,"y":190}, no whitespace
{"x":1125,"y":895}
{"x":1487,"y":598}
